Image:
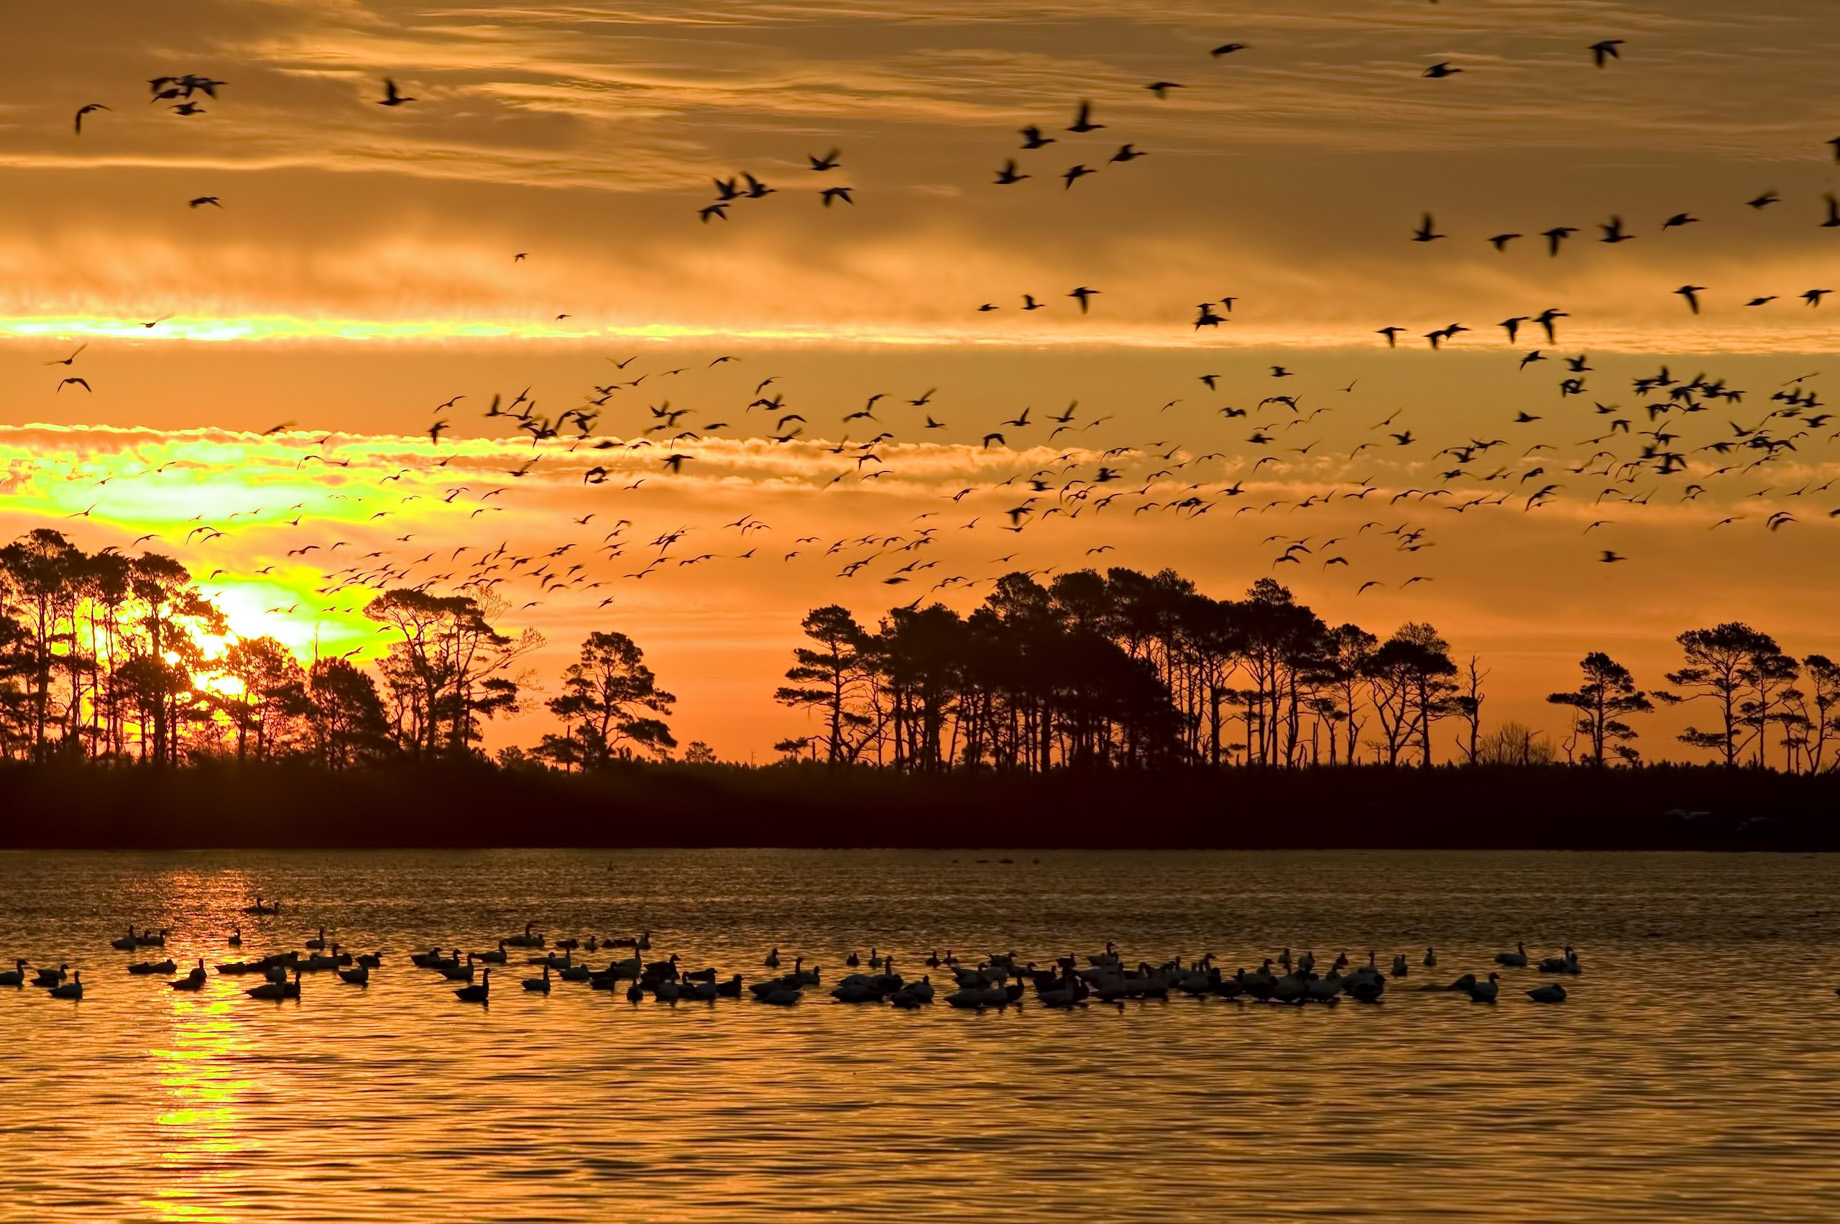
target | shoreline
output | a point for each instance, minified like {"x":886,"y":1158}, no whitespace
{"x":466,"y":806}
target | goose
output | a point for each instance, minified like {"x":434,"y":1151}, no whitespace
{"x":772,"y":961}
{"x":1562,"y":964}
{"x":127,"y":943}
{"x":361,"y":976}
{"x":73,"y":989}
{"x":149,"y":967}
{"x":1551,"y":993}
{"x":1466,"y":982}
{"x":666,"y":991}
{"x":496,"y":957}
{"x":1431,"y":958}
{"x":317,"y":944}
{"x":852,"y":960}
{"x":477,"y":993}
{"x":458,"y":972}
{"x":730,"y":989}
{"x":1399,"y":965}
{"x":635,"y":992}
{"x":276,"y":990}
{"x":149,"y":939}
{"x":236,"y":937}
{"x":631,"y":967}
{"x":527,"y":939}
{"x":538,"y":984}
{"x":568,"y":945}
{"x":781,"y":995}
{"x":1517,"y":958}
{"x":644,"y":942}
{"x":370,"y":960}
{"x":236,"y":968}
{"x":702,"y":992}
{"x":1485,"y":992}
{"x":17,"y":977}
{"x":922,"y":989}
{"x":191,"y":981}
{"x":932,"y":962}
{"x":259,"y":908}
{"x":875,"y":958}
{"x":1325,"y":989}
{"x":49,"y":978}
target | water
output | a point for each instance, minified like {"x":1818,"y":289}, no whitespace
{"x":1693,"y":1075}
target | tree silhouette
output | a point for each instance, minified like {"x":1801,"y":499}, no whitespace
{"x":608,"y":702}
{"x":1606,"y":695}
{"x":1719,"y":670}
{"x":833,"y":678}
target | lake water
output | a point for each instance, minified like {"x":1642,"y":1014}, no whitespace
{"x":1694,"y":1074}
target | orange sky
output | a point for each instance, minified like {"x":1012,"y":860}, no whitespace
{"x":361,"y":272}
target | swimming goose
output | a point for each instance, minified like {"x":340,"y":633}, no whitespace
{"x":360,"y":976}
{"x":259,"y":908}
{"x":50,"y":977}
{"x":540,"y":985}
{"x":17,"y":977}
{"x":127,"y":943}
{"x":476,"y":993}
{"x":730,"y":989}
{"x":236,"y":937}
{"x":276,"y":990}
{"x":149,"y":939}
{"x":1399,"y":965}
{"x":1516,"y":958}
{"x":370,"y":960}
{"x":635,"y":992}
{"x":772,"y":961}
{"x":1430,"y":958}
{"x":147,"y":967}
{"x":528,"y":939}
{"x":852,"y":960}
{"x":73,"y":989}
{"x":1485,"y":992}
{"x":1553,"y":993}
{"x":458,"y":972}
{"x":1562,"y":964}
{"x":191,"y":981}
{"x":318,"y":943}
{"x":1466,"y":982}
{"x":493,"y":958}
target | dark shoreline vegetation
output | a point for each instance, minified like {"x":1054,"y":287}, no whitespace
{"x":472,"y":805}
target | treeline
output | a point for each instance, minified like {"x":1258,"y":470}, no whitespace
{"x":110,"y":658}
{"x":1128,"y":670}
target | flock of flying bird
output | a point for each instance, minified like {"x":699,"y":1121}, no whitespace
{"x":999,"y":980}
{"x":1679,"y":441}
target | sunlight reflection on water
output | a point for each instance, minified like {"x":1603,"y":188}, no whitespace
{"x":1691,"y":1076}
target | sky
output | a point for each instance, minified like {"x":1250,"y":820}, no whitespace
{"x":360,"y":267}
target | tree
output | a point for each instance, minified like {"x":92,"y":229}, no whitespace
{"x":699,"y":753}
{"x":448,"y":667}
{"x":608,"y":701}
{"x":345,"y":715}
{"x":1606,"y":695}
{"x":1718,"y":670}
{"x":1410,"y":681}
{"x":1817,"y":713}
{"x":270,"y":688}
{"x":831,"y":677}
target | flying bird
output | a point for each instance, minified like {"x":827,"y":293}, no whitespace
{"x":1606,"y":50}
{"x":89,"y":109}
{"x":390,"y":95}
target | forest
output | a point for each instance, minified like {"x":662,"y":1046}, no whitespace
{"x":111,"y":659}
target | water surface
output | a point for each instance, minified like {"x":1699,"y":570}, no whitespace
{"x":1693,"y":1075}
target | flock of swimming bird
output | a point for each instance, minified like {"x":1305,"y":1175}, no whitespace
{"x":1584,"y":449}
{"x":999,"y":980}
